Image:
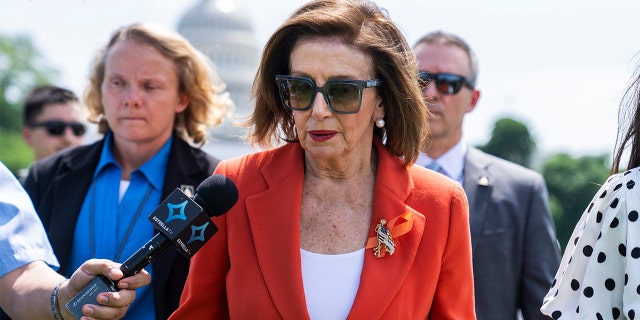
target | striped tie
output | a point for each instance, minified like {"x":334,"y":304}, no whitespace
{"x":437,"y":168}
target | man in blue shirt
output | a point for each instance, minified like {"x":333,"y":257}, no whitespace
{"x":27,"y":280}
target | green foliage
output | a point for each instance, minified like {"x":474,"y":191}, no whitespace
{"x":21,"y":68}
{"x":512,"y":141}
{"x":572,"y":183}
{"x":15,"y":153}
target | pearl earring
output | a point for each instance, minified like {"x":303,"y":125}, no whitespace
{"x":380,"y":123}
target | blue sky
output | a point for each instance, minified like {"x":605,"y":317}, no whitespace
{"x":558,"y":66}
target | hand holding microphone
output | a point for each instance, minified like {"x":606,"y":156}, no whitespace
{"x":181,"y":221}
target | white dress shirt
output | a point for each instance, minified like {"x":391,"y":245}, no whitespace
{"x":451,"y":161}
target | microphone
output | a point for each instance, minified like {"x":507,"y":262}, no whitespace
{"x":181,"y":221}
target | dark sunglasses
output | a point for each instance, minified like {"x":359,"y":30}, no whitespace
{"x":57,"y":128}
{"x":342,"y":96}
{"x":446,"y":83}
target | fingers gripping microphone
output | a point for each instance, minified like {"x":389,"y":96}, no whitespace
{"x":181,"y":221}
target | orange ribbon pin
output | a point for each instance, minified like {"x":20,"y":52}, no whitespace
{"x":383,"y":241}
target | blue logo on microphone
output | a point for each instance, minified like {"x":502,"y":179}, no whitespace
{"x":200,"y":235}
{"x":172,"y":211}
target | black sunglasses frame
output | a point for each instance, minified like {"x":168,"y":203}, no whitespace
{"x":360,"y":84}
{"x":57,"y":128}
{"x":453,"y":82}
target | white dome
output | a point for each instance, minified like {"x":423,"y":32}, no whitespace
{"x":216,"y":15}
{"x":221,"y":30}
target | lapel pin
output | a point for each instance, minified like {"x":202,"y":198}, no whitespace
{"x":385,"y":240}
{"x":483,"y":181}
{"x":188,"y":190}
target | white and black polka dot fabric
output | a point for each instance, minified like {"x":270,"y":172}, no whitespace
{"x":599,"y":275}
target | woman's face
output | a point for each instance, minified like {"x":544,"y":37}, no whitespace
{"x":140,"y":93}
{"x":322,"y":133}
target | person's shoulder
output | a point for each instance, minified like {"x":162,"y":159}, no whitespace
{"x":623,"y":181}
{"x":508,"y":169}
{"x":72,"y":154}
{"x":620,"y":188}
{"x":41,"y":172}
{"x":262,"y":157}
{"x":285,"y":156}
{"x":183,"y":152}
{"x":429,"y":181}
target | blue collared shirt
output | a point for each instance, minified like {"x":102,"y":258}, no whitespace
{"x":22,"y":236}
{"x":112,"y":218}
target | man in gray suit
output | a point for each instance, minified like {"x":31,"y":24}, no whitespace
{"x":515,"y":251}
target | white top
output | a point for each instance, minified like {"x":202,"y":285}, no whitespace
{"x":599,"y":275}
{"x":451,"y":161}
{"x":124,"y":185}
{"x":331,"y":282}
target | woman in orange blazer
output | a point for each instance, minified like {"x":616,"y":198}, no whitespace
{"x":337,"y":223}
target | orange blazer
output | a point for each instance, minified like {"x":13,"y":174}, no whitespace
{"x":251,"y":269}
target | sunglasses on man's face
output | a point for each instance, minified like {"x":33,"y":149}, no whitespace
{"x":342,"y":96}
{"x":446,"y":83}
{"x":57,"y":128}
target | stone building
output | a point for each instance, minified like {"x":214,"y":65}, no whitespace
{"x":222,"y":30}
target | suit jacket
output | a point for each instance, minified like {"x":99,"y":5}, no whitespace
{"x":251,"y":269}
{"x":515,"y":251}
{"x":58,"y":185}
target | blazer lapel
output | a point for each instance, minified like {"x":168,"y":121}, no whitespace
{"x":278,"y":248}
{"x":184,"y":167}
{"x":478,"y":185}
{"x":386,"y":274}
{"x":68,"y":189}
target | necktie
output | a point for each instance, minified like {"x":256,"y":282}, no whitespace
{"x":437,"y":168}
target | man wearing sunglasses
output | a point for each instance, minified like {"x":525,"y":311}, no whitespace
{"x":52,"y":120}
{"x":514,"y":247}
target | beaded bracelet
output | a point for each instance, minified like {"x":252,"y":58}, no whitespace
{"x":55,"y":308}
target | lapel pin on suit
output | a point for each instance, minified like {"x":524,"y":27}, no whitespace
{"x":385,"y":240}
{"x":188,"y":190}
{"x":483,"y":181}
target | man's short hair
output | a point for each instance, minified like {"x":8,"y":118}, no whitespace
{"x":40,"y":96}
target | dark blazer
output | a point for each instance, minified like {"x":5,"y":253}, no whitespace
{"x":515,"y":251}
{"x":58,"y":185}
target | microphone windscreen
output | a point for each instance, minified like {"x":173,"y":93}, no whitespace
{"x":216,"y":195}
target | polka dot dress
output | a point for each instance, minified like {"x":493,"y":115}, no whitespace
{"x":599,"y":275}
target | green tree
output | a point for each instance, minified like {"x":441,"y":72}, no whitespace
{"x":512,"y":141}
{"x":22,"y":67}
{"x":572,"y":183}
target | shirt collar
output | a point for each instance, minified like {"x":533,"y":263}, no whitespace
{"x":153,"y":169}
{"x":451,"y":161}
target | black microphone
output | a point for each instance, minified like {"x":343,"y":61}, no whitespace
{"x":185,"y":222}
{"x":181,"y":221}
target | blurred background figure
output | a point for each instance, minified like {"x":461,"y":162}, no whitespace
{"x":515,"y":251}
{"x":53,"y":120}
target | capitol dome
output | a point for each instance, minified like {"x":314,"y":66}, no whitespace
{"x":222,"y":31}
